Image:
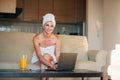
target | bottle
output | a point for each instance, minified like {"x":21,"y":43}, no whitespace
{"x":63,"y":30}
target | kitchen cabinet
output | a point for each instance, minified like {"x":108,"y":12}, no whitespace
{"x":45,"y":6}
{"x":7,"y":6}
{"x":30,"y":10}
{"x":20,"y":5}
{"x":64,"y":11}
{"x":70,"y":11}
{"x":81,"y":10}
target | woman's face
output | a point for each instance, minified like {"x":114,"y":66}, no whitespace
{"x":49,"y":27}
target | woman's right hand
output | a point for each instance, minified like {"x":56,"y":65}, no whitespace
{"x":54,"y":67}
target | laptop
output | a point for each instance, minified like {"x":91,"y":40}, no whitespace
{"x":66,"y":62}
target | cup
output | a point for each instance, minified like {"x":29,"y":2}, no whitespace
{"x":23,"y":62}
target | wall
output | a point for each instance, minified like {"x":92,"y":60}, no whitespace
{"x":108,"y":11}
{"x":111,"y":26}
{"x":94,"y":17}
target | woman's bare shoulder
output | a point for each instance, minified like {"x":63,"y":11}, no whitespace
{"x":56,"y":37}
{"x":37,"y":36}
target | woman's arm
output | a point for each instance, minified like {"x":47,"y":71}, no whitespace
{"x":36,"y":43}
{"x":57,"y":51}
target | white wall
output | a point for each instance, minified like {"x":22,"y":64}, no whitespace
{"x":108,"y":11}
{"x":94,"y":13}
{"x":111,"y":24}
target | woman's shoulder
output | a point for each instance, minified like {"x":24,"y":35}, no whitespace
{"x":56,"y":37}
{"x":37,"y":36}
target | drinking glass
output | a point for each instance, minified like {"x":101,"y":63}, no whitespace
{"x":23,"y":62}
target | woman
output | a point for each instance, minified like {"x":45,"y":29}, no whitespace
{"x":47,"y":45}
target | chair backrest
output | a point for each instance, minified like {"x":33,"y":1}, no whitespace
{"x":74,"y":44}
{"x":14,"y":44}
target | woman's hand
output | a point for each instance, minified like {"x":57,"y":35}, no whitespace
{"x":56,"y":65}
{"x":52,"y":66}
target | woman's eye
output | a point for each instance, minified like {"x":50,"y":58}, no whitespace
{"x":47,"y":25}
{"x":52,"y":26}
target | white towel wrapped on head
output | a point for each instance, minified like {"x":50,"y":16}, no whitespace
{"x":49,"y":17}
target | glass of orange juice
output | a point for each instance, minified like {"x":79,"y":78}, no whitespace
{"x":23,"y":62}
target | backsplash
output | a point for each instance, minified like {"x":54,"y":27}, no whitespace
{"x":68,"y":29}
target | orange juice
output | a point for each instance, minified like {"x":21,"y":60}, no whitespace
{"x":23,"y":63}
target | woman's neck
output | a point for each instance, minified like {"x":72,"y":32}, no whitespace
{"x":46,"y":35}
